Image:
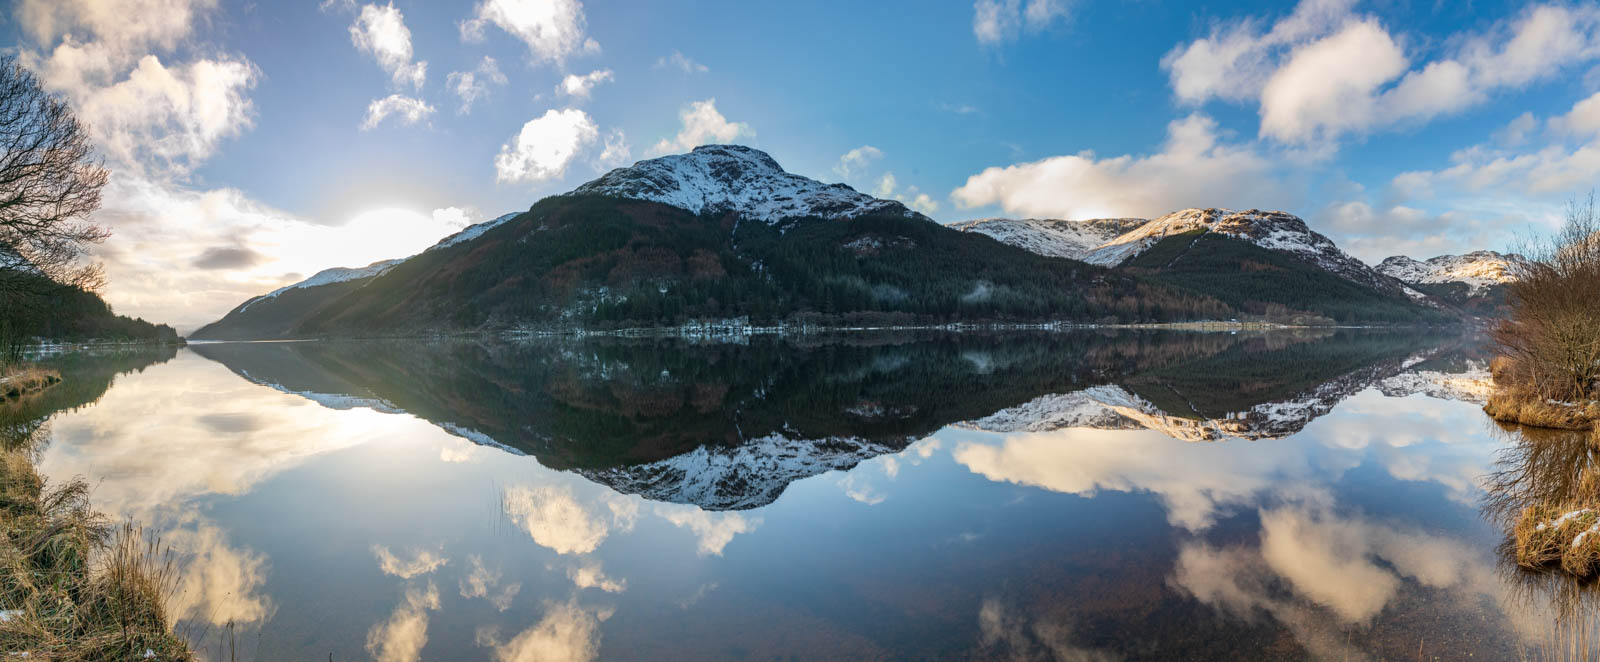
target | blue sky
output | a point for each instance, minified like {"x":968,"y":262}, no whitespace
{"x":248,"y":152}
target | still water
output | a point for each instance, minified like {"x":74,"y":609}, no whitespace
{"x":1065,"y":496}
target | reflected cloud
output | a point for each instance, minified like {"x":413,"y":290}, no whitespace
{"x":1313,"y":563}
{"x":713,"y":530}
{"x":481,"y":582}
{"x":217,"y":583}
{"x":590,"y":575}
{"x":567,"y":633}
{"x":856,"y":487}
{"x":1008,"y":634}
{"x":401,"y":638}
{"x":423,"y":561}
{"x":557,"y":520}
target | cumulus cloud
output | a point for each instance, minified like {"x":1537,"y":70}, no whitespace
{"x":682,"y":63}
{"x":217,"y":583}
{"x":545,"y":146}
{"x":702,"y":124}
{"x":1325,"y":71}
{"x":888,"y":187}
{"x":422,"y":561}
{"x":407,"y":110}
{"x":471,"y":86}
{"x":996,"y":21}
{"x":856,"y":159}
{"x":552,"y":29}
{"x":554,"y":518}
{"x":381,"y":32}
{"x":580,"y":86}
{"x":401,"y":638}
{"x":1194,"y":168}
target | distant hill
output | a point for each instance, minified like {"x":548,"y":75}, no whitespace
{"x":34,"y":308}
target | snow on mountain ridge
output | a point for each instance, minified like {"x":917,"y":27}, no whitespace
{"x":734,"y":178}
{"x":1052,"y":237}
{"x":1274,"y":230}
{"x":1480,"y":270}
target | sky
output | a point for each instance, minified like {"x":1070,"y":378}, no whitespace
{"x":252,"y":144}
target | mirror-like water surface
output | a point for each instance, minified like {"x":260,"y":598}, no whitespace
{"x":1076,"y":496}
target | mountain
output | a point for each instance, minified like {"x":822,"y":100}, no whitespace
{"x":1261,"y":263}
{"x":1474,"y":281}
{"x":274,"y":314}
{"x":720,"y":233}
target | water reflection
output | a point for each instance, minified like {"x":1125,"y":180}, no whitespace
{"x":986,"y":497}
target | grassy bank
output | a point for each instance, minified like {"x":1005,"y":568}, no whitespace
{"x":1519,"y":401}
{"x":72,"y":586}
{"x":17,"y":382}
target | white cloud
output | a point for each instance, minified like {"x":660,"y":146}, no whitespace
{"x":702,"y":124}
{"x":381,"y":32}
{"x":153,"y":118}
{"x":544,"y":146}
{"x":552,"y":29}
{"x":912,"y":196}
{"x":470,"y":86}
{"x":423,"y":561}
{"x":401,"y":638}
{"x":616,"y":152}
{"x":1193,"y":169}
{"x":996,"y":21}
{"x":1323,"y":71}
{"x":856,"y":159}
{"x":125,"y":29}
{"x":456,"y":218}
{"x":681,"y":62}
{"x":580,"y":86}
{"x":409,"y":110}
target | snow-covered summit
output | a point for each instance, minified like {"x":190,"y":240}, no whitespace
{"x":1052,"y":237}
{"x":1480,"y":270}
{"x":734,"y":178}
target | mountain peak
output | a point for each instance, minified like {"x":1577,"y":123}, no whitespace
{"x":1480,"y":270}
{"x":743,"y":180}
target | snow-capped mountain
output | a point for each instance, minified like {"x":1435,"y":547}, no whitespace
{"x":738,"y":179}
{"x":1053,"y":237}
{"x":1480,"y":270}
{"x":1273,"y":230}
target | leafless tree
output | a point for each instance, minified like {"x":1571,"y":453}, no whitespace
{"x":50,"y":182}
{"x":1552,"y":335}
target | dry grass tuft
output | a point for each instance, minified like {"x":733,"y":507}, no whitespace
{"x":1513,"y":405}
{"x":74,"y":588}
{"x":26,"y":381}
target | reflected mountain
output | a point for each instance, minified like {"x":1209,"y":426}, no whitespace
{"x":728,"y":426}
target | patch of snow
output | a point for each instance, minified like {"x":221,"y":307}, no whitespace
{"x":473,"y":231}
{"x":1052,"y":237}
{"x":328,"y":277}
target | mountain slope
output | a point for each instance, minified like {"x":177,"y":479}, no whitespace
{"x":1474,"y":281}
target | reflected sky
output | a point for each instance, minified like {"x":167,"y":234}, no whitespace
{"x":354,"y":527}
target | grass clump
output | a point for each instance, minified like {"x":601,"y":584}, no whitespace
{"x":1562,"y":529}
{"x":72,"y":586}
